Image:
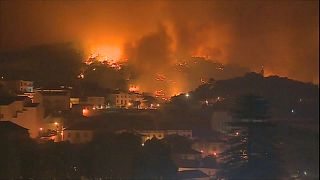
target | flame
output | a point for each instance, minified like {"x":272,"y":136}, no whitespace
{"x":133,"y":88}
{"x":108,"y":55}
{"x":159,"y":93}
{"x":160,"y":77}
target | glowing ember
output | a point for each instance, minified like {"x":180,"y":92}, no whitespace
{"x":159,"y":93}
{"x":133,"y":88}
{"x":160,"y":77}
{"x":203,"y":81}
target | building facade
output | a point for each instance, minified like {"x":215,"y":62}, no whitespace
{"x":20,"y":111}
{"x":128,"y":100}
{"x":77,"y":136}
{"x":96,"y":101}
{"x":18,"y":86}
{"x":53,"y":100}
{"x":219,"y":121}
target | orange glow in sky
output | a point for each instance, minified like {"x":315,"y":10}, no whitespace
{"x":106,"y":53}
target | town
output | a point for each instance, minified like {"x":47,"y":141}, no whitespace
{"x":200,"y":90}
{"x":61,"y":115}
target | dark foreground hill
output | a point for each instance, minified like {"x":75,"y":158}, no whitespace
{"x":286,"y":97}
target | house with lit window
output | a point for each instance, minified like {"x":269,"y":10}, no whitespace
{"x":18,"y":86}
{"x":128,"y":100}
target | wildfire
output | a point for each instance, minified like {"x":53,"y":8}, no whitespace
{"x":133,"y":88}
{"x":159,"y":93}
{"x":203,"y":81}
{"x":160,"y":77}
{"x":110,"y":56}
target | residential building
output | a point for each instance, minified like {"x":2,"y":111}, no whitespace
{"x":187,"y":155}
{"x":53,"y":100}
{"x":128,"y":100}
{"x":206,"y":165}
{"x":78,"y":135}
{"x":219,"y":121}
{"x":97,"y":102}
{"x":21,"y":111}
{"x":18,"y":86}
{"x":84,"y":110}
{"x":74,"y":101}
{"x":209,"y":147}
{"x":192,"y":175}
{"x":12,"y":131}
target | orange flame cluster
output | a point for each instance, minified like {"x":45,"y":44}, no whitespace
{"x":159,"y":93}
{"x":160,"y":77}
{"x":110,"y":56}
{"x":133,"y":88}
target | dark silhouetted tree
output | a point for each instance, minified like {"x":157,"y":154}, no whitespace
{"x":252,"y":153}
{"x":155,"y":161}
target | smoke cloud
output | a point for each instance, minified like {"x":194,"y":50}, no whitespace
{"x":283,"y":36}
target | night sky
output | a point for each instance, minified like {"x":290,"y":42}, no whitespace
{"x":283,"y":36}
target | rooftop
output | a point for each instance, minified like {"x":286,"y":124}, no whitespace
{"x":53,"y":92}
{"x":9,"y":100}
{"x":8,"y":125}
{"x":191,"y":174}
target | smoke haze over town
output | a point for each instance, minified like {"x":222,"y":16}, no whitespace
{"x":159,"y":89}
{"x":153,"y":35}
